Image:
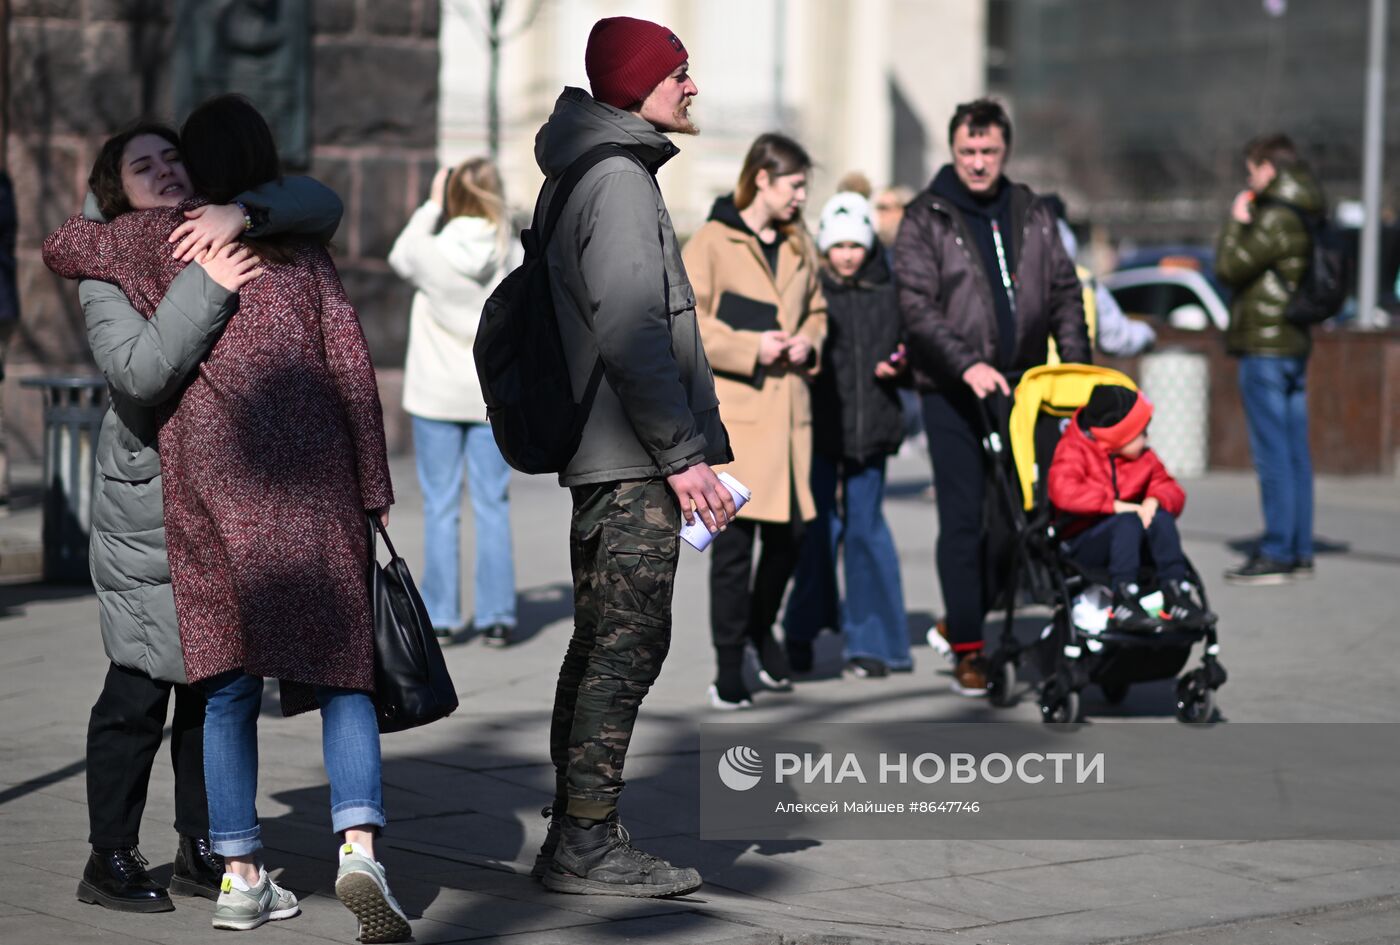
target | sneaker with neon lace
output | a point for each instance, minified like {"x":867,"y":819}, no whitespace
{"x":361,"y":885}
{"x":241,"y":907}
{"x":598,"y":859}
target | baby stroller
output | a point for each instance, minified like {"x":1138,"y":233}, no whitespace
{"x":1077,"y":648}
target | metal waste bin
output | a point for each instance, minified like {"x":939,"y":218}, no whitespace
{"x":73,"y":409}
{"x":1177,"y":382}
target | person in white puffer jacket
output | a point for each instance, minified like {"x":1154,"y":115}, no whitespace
{"x":455,"y":250}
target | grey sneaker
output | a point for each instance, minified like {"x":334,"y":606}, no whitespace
{"x":241,"y":908}
{"x":361,"y":885}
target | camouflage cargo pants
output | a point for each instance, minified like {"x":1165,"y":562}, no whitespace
{"x":624,"y":547}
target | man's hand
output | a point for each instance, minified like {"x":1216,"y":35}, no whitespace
{"x":799,"y":349}
{"x":772,"y":345}
{"x":984,"y":379}
{"x":700,"y":492}
{"x":1147,"y":511}
{"x":438,"y":192}
{"x":232,"y":267}
{"x":1242,"y":210}
{"x":1119,"y":507}
{"x":207,"y":229}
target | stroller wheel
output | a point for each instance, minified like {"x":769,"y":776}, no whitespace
{"x":1060,"y":708}
{"x":1195,"y":701}
{"x":1114,"y":693}
{"x":1001,"y":681}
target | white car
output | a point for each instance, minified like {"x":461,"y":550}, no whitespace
{"x":1179,"y":296}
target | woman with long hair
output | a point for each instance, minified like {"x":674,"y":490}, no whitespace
{"x":272,"y":456}
{"x":146,"y":362}
{"x":454,"y":250}
{"x":762,"y":317}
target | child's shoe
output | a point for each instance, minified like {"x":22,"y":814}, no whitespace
{"x":1182,"y":609}
{"x":1128,"y":614}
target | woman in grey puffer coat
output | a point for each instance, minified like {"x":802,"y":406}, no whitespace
{"x":146,"y":362}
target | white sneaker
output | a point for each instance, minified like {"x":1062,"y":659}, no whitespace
{"x":241,"y":907}
{"x":360,"y":884}
{"x":725,"y":705}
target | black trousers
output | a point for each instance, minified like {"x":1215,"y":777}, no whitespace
{"x":960,"y":491}
{"x":1117,"y":543}
{"x":124,"y":734}
{"x":744,"y":601}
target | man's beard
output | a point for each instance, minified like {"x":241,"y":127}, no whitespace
{"x":682,"y":125}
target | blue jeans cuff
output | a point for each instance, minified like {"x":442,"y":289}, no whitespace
{"x":356,"y":814}
{"x":236,"y":843}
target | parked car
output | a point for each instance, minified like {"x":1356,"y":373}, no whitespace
{"x":1175,"y":295}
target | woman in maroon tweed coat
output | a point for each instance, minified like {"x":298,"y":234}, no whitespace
{"x":271,"y":458}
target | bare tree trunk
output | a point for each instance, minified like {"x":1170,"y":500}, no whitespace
{"x":493,"y":84}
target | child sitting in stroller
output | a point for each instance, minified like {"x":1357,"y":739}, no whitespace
{"x":1119,"y":500}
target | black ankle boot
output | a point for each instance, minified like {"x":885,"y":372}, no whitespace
{"x":555,"y":813}
{"x":599,"y":860}
{"x":117,"y":879}
{"x":198,"y":869}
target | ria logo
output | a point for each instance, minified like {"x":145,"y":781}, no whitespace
{"x":740,"y":768}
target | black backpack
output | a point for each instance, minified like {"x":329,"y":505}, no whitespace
{"x":1322,"y":291}
{"x":519,"y":352}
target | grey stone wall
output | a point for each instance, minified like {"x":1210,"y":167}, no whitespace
{"x":81,"y":69}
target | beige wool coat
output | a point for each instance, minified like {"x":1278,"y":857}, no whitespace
{"x":767,"y":412}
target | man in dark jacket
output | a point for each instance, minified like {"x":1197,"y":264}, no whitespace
{"x":1262,"y":255}
{"x":9,"y":314}
{"x":983,"y":283}
{"x":653,"y":431}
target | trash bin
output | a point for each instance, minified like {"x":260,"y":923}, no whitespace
{"x":73,"y":409}
{"x":1177,"y":381}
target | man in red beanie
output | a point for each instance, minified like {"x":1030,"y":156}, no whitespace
{"x":1120,"y":500}
{"x":626,"y":315}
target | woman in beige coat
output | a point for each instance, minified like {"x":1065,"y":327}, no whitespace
{"x":762,"y":319}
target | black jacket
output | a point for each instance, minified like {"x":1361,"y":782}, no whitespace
{"x":946,"y":291}
{"x":855,"y":415}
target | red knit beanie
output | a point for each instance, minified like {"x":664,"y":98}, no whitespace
{"x":627,"y":58}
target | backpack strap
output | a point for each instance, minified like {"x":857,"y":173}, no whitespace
{"x":582,"y":165}
{"x":572,"y":175}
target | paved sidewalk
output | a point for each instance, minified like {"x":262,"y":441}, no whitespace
{"x":464,"y":795}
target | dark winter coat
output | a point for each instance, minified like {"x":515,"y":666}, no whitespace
{"x":1263,"y":261}
{"x":946,"y":297}
{"x":855,"y":415}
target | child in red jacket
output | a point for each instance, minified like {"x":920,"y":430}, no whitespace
{"x":1121,"y":501}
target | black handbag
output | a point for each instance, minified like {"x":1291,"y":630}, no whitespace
{"x":411,"y":683}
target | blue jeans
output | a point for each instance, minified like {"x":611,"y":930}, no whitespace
{"x":349,"y":746}
{"x":873,"y":620}
{"x":1274,"y":391}
{"x":442,"y":448}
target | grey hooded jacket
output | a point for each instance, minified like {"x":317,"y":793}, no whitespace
{"x":146,"y":362}
{"x":620,"y":291}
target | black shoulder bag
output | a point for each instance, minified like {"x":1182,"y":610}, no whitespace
{"x":411,"y":684}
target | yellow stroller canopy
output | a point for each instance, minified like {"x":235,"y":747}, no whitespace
{"x":1056,"y":389}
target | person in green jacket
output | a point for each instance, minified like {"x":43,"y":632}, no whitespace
{"x":146,"y":362}
{"x":1262,"y":255}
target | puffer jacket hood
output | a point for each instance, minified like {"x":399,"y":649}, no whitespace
{"x":1264,"y":260}
{"x":580,"y":123}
